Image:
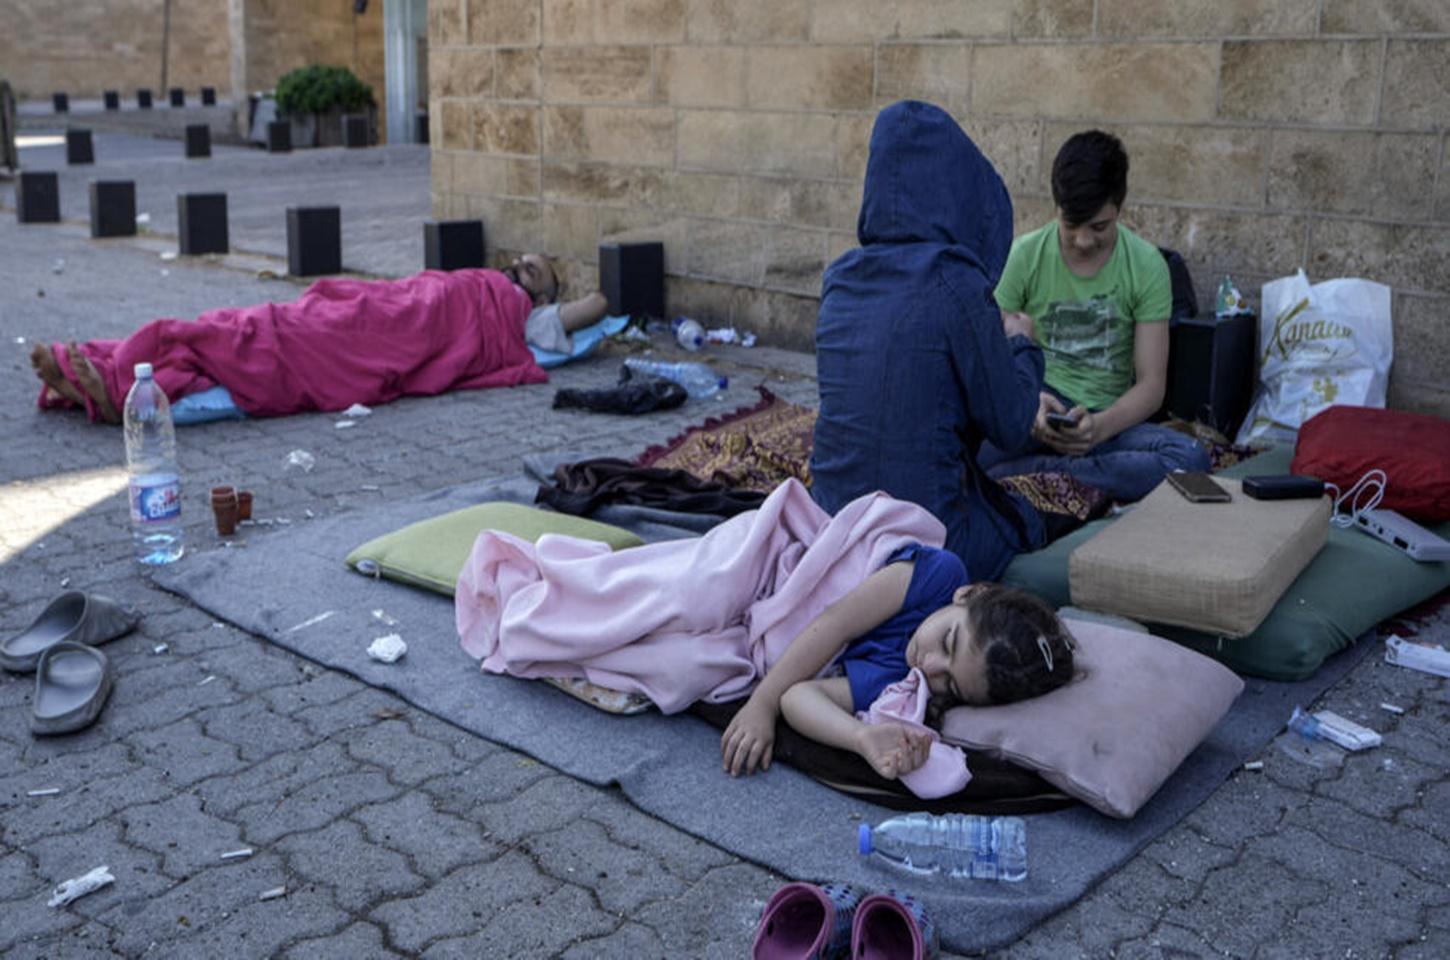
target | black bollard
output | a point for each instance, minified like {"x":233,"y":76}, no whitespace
{"x":201,"y":223}
{"x":420,"y":127}
{"x":143,"y":99}
{"x":208,"y":96}
{"x":198,"y":140}
{"x":61,"y":102}
{"x":452,"y":244}
{"x":632,"y":278}
{"x":37,"y":197}
{"x":356,"y":130}
{"x":314,"y":241}
{"x":113,"y":99}
{"x":78,"y":147}
{"x":113,"y":208}
{"x":178,"y":97}
{"x":279,"y":136}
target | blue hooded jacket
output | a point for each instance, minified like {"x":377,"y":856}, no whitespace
{"x":914,"y":367}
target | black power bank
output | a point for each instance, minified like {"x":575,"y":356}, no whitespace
{"x":1284,"y":486}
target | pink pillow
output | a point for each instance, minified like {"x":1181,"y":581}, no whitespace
{"x":1136,"y":708}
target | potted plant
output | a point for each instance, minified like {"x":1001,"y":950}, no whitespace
{"x":316,"y":98}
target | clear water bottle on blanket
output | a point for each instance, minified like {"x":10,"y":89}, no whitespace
{"x":697,"y":379}
{"x":155,"y":481}
{"x":959,"y":845}
{"x":688,"y":333}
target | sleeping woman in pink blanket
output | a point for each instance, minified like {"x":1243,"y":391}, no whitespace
{"x":836,"y":623}
{"x":344,"y":341}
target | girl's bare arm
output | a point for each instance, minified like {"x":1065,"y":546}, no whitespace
{"x":748,"y":740}
{"x":821,"y":710}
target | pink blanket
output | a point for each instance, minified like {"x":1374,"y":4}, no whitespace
{"x":683,"y":620}
{"x":342,"y":342}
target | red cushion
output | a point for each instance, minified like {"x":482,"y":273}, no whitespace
{"x":1413,"y":449}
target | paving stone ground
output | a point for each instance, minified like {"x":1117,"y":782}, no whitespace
{"x":396,"y":834}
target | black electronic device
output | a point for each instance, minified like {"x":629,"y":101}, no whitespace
{"x":1283,"y":486}
{"x":1198,"y":487}
{"x":1211,"y":366}
{"x":1061,"y":421}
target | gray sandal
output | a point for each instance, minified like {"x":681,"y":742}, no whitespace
{"x":73,"y":616}
{"x":72,"y":682}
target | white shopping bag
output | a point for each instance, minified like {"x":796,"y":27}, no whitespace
{"x":1318,"y":345}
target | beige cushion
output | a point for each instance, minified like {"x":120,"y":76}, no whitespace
{"x":1135,"y":708}
{"x":1215,"y":567}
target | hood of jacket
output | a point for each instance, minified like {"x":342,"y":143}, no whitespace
{"x":926,"y":182}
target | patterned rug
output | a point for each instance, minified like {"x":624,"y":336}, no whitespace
{"x":757,"y":447}
{"x":762,"y":444}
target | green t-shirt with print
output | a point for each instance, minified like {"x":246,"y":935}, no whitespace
{"x":1085,"y":324}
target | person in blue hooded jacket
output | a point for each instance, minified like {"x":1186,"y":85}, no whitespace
{"x":916,"y":364}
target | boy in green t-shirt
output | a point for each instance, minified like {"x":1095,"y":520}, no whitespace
{"x":1100,"y":298}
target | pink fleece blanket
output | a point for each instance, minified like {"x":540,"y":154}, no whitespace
{"x":342,"y":342}
{"x":683,"y":620}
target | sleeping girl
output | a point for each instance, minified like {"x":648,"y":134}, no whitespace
{"x":807,"y":615}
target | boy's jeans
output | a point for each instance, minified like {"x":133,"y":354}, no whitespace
{"x":1126,"y":468}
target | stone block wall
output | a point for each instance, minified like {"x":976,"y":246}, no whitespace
{"x":84,"y":47}
{"x":282,"y":35}
{"x":1265,"y":135}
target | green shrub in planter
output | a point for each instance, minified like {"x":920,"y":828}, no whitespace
{"x":319,"y":89}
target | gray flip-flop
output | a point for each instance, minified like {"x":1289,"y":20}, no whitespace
{"x":73,"y":616}
{"x":72,"y":682}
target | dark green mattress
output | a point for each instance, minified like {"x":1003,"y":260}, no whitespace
{"x":1352,"y":584}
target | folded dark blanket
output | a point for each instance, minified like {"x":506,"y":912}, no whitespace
{"x":634,"y":397}
{"x":581,"y":488}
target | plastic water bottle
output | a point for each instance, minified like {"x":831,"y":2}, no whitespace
{"x":955,"y":844}
{"x":697,"y":379}
{"x":155,"y":487}
{"x":1306,"y":725}
{"x":689,"y":334}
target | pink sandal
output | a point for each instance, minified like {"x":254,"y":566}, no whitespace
{"x":805,"y":922}
{"x":892,"y":926}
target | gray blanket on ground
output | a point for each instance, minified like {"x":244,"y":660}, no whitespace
{"x":285,"y":579}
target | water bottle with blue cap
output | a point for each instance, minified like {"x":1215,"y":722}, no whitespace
{"x":959,"y":845}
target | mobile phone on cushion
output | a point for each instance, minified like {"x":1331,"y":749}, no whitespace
{"x":1061,"y":421}
{"x":1283,"y":486}
{"x":1198,"y":487}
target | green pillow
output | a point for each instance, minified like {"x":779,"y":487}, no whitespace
{"x":1353,"y":583}
{"x":431,"y":553}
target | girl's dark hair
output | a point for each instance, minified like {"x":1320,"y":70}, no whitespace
{"x":1091,"y":170}
{"x":1028,"y":650}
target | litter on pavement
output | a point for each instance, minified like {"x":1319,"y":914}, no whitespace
{"x":387,"y":649}
{"x":78,"y":887}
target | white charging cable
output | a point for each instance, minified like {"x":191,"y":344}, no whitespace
{"x":1366,"y":494}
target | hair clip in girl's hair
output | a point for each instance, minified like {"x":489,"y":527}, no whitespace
{"x":1046,"y":649}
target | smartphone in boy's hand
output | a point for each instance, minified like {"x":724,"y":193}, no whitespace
{"x":1060,"y":421}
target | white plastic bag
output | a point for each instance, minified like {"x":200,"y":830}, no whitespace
{"x":1319,"y":345}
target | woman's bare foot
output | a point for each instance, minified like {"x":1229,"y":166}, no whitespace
{"x":49,"y":372}
{"x":92,"y":384}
